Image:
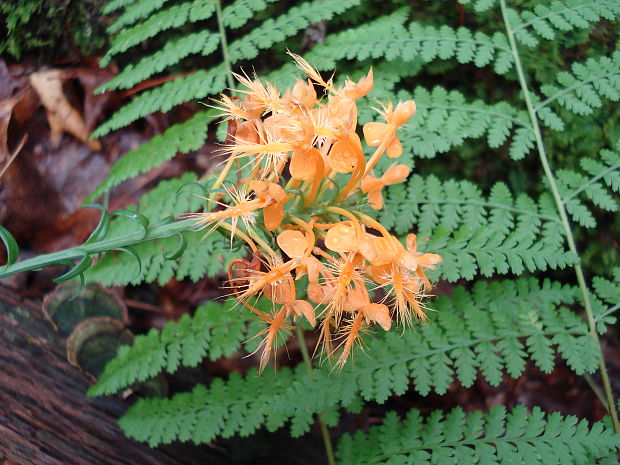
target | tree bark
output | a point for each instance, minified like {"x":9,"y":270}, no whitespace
{"x":45,"y":416}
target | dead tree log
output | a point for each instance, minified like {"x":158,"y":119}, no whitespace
{"x":45,"y":416}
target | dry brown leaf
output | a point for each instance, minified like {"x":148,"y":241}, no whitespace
{"x":62,"y":117}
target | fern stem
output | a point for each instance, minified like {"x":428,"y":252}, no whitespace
{"x":565,"y":223}
{"x":224,"y":42}
{"x":329,"y":450}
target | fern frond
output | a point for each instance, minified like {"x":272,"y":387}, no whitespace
{"x":114,"y":5}
{"x":444,"y":43}
{"x":134,"y":12}
{"x":497,"y":437}
{"x":239,"y":405}
{"x":582,"y":90}
{"x":389,"y":38}
{"x":493,"y":234}
{"x":203,"y":43}
{"x":180,"y":138}
{"x":567,"y":15}
{"x":173,"y":17}
{"x":600,"y":181}
{"x":216,"y":330}
{"x":209,"y":82}
{"x":278,"y":29}
{"x":479,"y":5}
{"x":491,"y":330}
{"x":164,"y":98}
{"x":445,"y":120}
{"x":241,"y":11}
{"x":607,"y":300}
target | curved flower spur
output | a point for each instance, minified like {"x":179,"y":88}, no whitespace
{"x":299,"y":206}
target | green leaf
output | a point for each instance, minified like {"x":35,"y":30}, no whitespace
{"x":101,"y":229}
{"x":79,"y":269}
{"x":12,"y":249}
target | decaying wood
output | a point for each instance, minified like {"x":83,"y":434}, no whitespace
{"x":45,"y":416}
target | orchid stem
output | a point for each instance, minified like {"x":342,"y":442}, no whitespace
{"x":329,"y":450}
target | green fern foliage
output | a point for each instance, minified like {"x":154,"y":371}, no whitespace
{"x":134,"y":11}
{"x":214,"y":331}
{"x":175,"y":16}
{"x":503,"y":437}
{"x":445,"y":120}
{"x":239,"y":405}
{"x":492,"y":330}
{"x":546,"y":20}
{"x":180,"y":138}
{"x":479,"y":5}
{"x":582,"y":90}
{"x":205,"y":82}
{"x":490,"y":234}
{"x":607,"y":300}
{"x":467,"y":47}
{"x":597,"y":183}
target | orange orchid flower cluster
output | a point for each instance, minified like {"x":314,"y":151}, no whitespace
{"x":299,"y":209}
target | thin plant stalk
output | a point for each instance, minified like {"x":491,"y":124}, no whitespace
{"x":610,"y":405}
{"x":224,"y":42}
{"x":329,"y":450}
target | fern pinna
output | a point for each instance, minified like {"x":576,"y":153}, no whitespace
{"x":488,"y":328}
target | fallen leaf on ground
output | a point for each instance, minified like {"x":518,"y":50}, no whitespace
{"x":62,"y":117}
